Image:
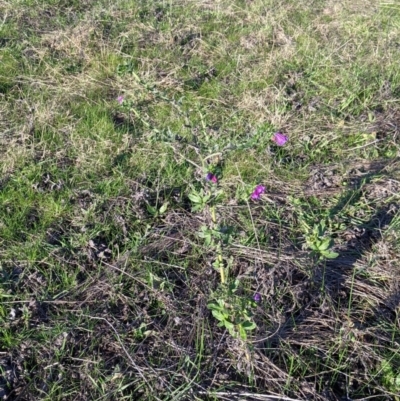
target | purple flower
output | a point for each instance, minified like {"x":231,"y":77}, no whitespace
{"x":280,"y":139}
{"x":257,"y":297}
{"x":258,"y":191}
{"x":211,"y":177}
{"x":120,"y":99}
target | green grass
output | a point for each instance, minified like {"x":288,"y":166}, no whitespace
{"x":105,"y":271}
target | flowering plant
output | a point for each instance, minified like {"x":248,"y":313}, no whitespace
{"x":258,"y":191}
{"x":231,"y":310}
{"x":279,"y":138}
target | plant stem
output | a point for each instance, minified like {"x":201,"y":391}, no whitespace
{"x":213,"y":216}
{"x":219,"y":249}
{"x":221,"y":265}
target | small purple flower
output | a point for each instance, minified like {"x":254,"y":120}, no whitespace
{"x":120,"y":99}
{"x":258,"y":191}
{"x":280,"y":139}
{"x":257,"y":297}
{"x":211,"y":177}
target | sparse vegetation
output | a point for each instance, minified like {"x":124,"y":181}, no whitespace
{"x":199,"y":200}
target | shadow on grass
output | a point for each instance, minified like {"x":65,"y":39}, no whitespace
{"x":336,"y":326}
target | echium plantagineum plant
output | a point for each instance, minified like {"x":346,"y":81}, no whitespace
{"x":231,"y":310}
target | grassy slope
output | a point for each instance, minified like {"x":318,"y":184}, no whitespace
{"x":101,"y":299}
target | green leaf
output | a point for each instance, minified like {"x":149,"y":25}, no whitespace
{"x":228,"y":324}
{"x":152,"y":210}
{"x":232,"y":332}
{"x":194,"y":198}
{"x":196,"y":208}
{"x":242,"y":333}
{"x":163,"y":208}
{"x":249,"y":325}
{"x":329,"y":254}
{"x":218,"y":315}
{"x":233,"y":287}
{"x":325,"y":244}
{"x":321,"y":228}
{"x":206,"y":198}
{"x":214,"y":307}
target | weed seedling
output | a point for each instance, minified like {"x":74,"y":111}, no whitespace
{"x":319,"y":243}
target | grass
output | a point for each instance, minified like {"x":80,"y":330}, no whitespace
{"x":107,"y":266}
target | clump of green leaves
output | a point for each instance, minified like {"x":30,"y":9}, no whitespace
{"x":320,"y":243}
{"x":233,"y":312}
{"x":201,"y":198}
{"x":316,"y":235}
{"x":211,"y":235}
{"x":391,"y":379}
